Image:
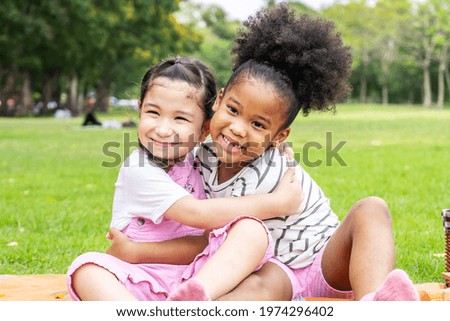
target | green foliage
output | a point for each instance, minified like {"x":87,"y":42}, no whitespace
{"x":216,"y":53}
{"x":217,"y":32}
{"x":104,"y":44}
{"x":56,"y":195}
{"x":389,"y":41}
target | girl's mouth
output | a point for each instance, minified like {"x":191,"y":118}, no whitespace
{"x":230,"y":145}
{"x":162,"y":144}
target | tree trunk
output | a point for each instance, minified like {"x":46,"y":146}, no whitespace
{"x":385,"y":95}
{"x":73,"y":95}
{"x":363,"y":79}
{"x":447,"y":78}
{"x":441,"y":75}
{"x":3,"y":73}
{"x":51,"y":90}
{"x":102,"y":97}
{"x":27,"y":98}
{"x":46,"y":94}
{"x":385,"y":75}
{"x":426,"y":85}
{"x":427,"y":99}
{"x":56,"y":94}
{"x":8,"y":91}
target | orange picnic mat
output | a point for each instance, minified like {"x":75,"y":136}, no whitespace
{"x":35,"y":287}
{"x":52,"y":287}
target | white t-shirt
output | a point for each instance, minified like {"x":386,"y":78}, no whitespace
{"x":297,"y":238}
{"x":143,"y":189}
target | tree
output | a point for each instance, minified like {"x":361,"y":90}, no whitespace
{"x":50,"y":47}
{"x":392,"y":17}
{"x":422,"y":40}
{"x":357,"y":24}
{"x":217,"y":32}
{"x":20,"y":35}
{"x":442,"y":9}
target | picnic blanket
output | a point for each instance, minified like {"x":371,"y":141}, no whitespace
{"x":52,"y":287}
{"x":34,"y":287}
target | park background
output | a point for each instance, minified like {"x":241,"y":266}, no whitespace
{"x":57,"y":178}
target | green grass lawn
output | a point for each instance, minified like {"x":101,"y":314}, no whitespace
{"x":56,"y":193}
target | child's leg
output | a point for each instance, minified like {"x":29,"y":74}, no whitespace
{"x":361,"y":253}
{"x":241,"y":252}
{"x":94,"y":283}
{"x":270,"y":283}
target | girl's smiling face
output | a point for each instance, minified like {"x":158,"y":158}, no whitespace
{"x":171,"y":120}
{"x":248,"y":118}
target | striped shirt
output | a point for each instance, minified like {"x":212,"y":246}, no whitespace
{"x":297,"y":238}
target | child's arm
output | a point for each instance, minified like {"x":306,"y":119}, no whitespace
{"x":176,"y":251}
{"x":216,"y":212}
{"x":183,"y":250}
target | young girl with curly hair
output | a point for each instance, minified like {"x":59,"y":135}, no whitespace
{"x":285,"y":64}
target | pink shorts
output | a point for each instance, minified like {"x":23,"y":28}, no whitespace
{"x":310,"y":282}
{"x":154,"y":282}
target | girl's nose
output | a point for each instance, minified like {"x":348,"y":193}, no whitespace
{"x":164,"y":129}
{"x":238,"y":129}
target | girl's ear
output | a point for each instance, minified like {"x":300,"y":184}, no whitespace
{"x":281,"y":136}
{"x":140,"y":107}
{"x":205,"y":131}
{"x":219,"y":98}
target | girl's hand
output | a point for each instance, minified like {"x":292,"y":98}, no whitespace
{"x":122,"y":247}
{"x":286,"y":149}
{"x":289,"y":193}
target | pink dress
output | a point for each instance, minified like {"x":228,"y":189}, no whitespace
{"x":154,"y":282}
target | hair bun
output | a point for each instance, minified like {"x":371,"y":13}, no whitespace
{"x":305,"y":48}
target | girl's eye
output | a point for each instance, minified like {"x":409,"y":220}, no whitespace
{"x":232,"y":109}
{"x":182,"y":119}
{"x":152,"y":112}
{"x":258,"y":125}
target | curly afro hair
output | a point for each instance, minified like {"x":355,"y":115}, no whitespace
{"x":310,"y":65}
